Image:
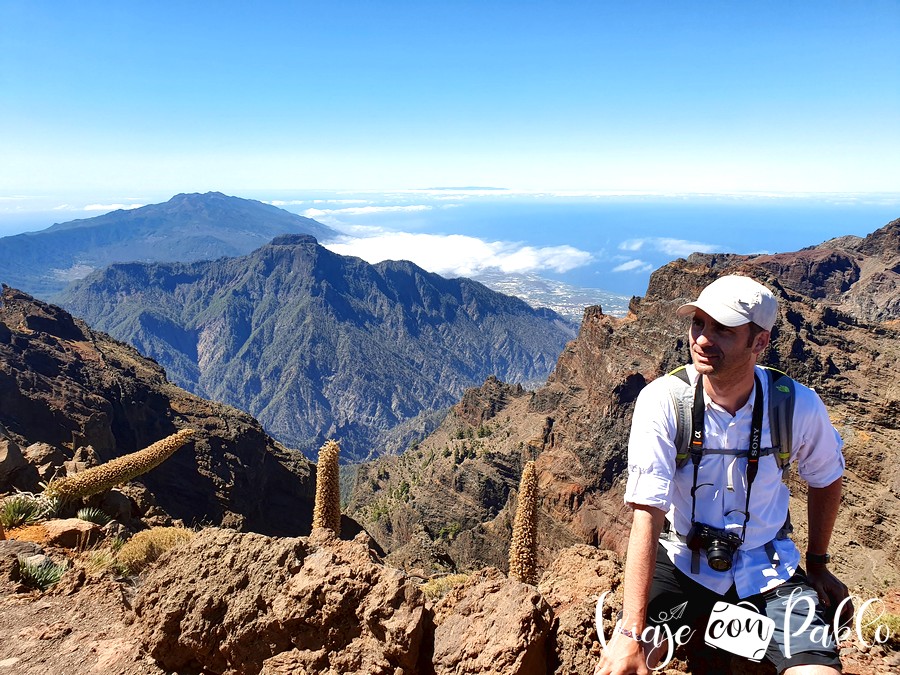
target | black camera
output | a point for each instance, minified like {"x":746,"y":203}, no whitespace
{"x":718,"y":544}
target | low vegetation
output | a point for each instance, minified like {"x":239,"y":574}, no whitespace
{"x":25,"y":508}
{"x":147,"y":546}
{"x":41,"y":575}
{"x":436,"y":588}
{"x":93,"y":515}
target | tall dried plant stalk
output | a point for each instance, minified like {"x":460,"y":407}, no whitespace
{"x":327,"y":510}
{"x":523,"y":548}
{"x":118,"y":471}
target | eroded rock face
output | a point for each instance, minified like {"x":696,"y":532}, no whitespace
{"x":492,"y":625}
{"x":572,"y":585}
{"x":69,"y":394}
{"x":231,"y":602}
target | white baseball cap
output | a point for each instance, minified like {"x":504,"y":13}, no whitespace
{"x":734,"y":300}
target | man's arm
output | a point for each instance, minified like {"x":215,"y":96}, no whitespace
{"x":822,"y":509}
{"x":623,"y":655}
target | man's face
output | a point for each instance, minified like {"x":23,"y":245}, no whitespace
{"x":722,"y":351}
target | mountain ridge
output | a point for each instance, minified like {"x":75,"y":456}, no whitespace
{"x":315,"y":344}
{"x":72,"y":394}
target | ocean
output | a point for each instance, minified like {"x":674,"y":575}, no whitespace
{"x":626,"y":237}
{"x":608,"y":242}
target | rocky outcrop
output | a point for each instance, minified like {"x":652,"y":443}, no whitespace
{"x":492,"y":625}
{"x":233,"y":603}
{"x":242,"y":603}
{"x":193,"y":227}
{"x":74,"y":397}
{"x":230,"y":602}
{"x":572,"y":585}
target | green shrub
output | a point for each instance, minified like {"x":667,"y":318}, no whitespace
{"x":41,"y":576}
{"x":147,"y":546}
{"x":25,"y":508}
{"x":437,"y":588}
{"x":888,"y":627}
{"x":93,"y":515}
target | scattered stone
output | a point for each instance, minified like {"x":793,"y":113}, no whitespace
{"x":115,"y":530}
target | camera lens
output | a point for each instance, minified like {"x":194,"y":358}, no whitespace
{"x":718,"y":555}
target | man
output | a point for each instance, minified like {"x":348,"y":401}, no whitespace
{"x":724,"y":536}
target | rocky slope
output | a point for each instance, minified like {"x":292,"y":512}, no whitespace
{"x":187,"y":227}
{"x":71,"y":397}
{"x":318,"y":345}
{"x":244,"y":604}
{"x":838,"y":332}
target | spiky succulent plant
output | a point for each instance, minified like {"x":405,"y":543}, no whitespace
{"x":523,"y":548}
{"x":327,"y":509}
{"x":118,"y":471}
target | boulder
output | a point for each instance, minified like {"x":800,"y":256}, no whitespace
{"x":119,"y":506}
{"x":15,"y":471}
{"x":246,"y":603}
{"x":46,"y":459}
{"x":492,"y":625}
{"x":72,"y":532}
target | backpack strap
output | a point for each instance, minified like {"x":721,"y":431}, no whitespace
{"x":781,"y":417}
{"x":683,"y":398}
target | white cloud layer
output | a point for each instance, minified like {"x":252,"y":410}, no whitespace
{"x":635,"y":265}
{"x":669,"y":246}
{"x":112,"y":207}
{"x":365,"y":210}
{"x":461,"y":255}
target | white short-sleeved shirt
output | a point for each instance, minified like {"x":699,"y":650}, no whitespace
{"x":721,"y":498}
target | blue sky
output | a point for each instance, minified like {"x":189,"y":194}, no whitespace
{"x":107,"y":98}
{"x":350,"y":111}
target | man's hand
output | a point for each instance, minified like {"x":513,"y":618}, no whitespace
{"x":622,"y":656}
{"x":830,"y":589}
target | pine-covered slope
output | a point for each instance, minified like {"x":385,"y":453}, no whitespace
{"x":318,"y":345}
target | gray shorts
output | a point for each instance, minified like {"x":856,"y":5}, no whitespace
{"x":672,"y":588}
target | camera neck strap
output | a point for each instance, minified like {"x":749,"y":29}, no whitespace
{"x":696,"y":446}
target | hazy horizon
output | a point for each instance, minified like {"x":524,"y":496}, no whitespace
{"x":601,"y":241}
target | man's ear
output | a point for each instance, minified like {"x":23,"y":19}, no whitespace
{"x":761,"y":342}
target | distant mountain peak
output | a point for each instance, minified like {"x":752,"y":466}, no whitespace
{"x":187,"y":228}
{"x":294,"y":240}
